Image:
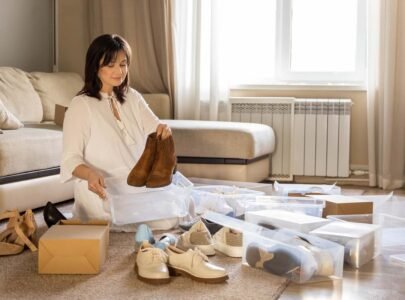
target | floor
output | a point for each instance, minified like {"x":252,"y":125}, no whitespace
{"x":378,"y":279}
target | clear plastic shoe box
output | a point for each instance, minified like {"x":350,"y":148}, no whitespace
{"x":299,"y":257}
{"x":285,"y":219}
{"x":285,"y":189}
{"x":391,"y":237}
{"x":130,"y":204}
{"x":222,"y":198}
{"x":361,"y":241}
{"x":392,"y":245}
{"x":308,"y":206}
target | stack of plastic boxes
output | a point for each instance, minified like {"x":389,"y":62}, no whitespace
{"x":299,"y":257}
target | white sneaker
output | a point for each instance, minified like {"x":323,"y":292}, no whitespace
{"x":151,"y":264}
{"x":197,"y":237}
{"x":229,"y":242}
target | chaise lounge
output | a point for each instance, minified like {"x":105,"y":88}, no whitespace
{"x":30,"y":156}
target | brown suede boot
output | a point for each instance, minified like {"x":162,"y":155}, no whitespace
{"x":164,"y":165}
{"x":139,"y":174}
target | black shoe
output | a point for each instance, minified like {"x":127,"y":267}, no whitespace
{"x":52,"y":215}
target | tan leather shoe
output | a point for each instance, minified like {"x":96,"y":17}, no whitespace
{"x":151,"y":264}
{"x":164,"y":164}
{"x":197,"y":237}
{"x":194,"y":264}
{"x":139,"y":174}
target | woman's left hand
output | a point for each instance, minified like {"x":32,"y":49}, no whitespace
{"x":163,"y":131}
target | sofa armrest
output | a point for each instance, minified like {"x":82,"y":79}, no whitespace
{"x":159,"y":104}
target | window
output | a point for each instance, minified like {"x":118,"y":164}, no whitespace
{"x":305,"y":41}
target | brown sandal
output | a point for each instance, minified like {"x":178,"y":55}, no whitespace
{"x":20,"y":232}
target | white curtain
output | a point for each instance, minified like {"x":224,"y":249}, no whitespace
{"x":386,"y":93}
{"x":201,"y":89}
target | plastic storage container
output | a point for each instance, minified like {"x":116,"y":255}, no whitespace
{"x":299,"y":257}
{"x":308,"y":206}
{"x":360,"y":218}
{"x":140,"y":204}
{"x":285,"y":219}
{"x":360,"y":240}
{"x":285,"y":189}
{"x":222,"y":198}
{"x":392,"y":245}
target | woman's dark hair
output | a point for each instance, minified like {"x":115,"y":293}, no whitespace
{"x":104,"y":49}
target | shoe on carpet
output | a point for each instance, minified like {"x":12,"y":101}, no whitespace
{"x":52,"y":215}
{"x":151,"y":265}
{"x":143,"y":233}
{"x":165,"y":240}
{"x":197,"y":237}
{"x":212,"y":227}
{"x":194,"y":264}
{"x":229,"y":242}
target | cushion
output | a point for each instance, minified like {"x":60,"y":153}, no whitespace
{"x":159,"y":104}
{"x":55,"y":88}
{"x":216,"y":139}
{"x":7,"y":119}
{"x":19,"y":96}
{"x":34,"y":147}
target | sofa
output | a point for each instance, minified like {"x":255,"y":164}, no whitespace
{"x":31,"y":141}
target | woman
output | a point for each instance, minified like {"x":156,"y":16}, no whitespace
{"x":105,"y":127}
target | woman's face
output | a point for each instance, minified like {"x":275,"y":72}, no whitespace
{"x":114,"y":73}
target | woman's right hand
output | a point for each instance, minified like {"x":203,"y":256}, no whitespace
{"x":96,"y":183}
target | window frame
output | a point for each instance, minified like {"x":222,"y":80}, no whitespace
{"x":283,"y":70}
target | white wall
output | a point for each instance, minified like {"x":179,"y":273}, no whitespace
{"x":26,"y":34}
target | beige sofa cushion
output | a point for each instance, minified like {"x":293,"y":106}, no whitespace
{"x":159,"y":104}
{"x":55,"y":88}
{"x":34,"y":147}
{"x":7,"y":119}
{"x":19,"y":96}
{"x":214,"y":139}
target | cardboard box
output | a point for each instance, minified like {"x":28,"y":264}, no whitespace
{"x":72,"y":247}
{"x":344,"y":205}
{"x":60,"y":114}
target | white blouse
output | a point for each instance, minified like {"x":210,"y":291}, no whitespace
{"x":92,"y":135}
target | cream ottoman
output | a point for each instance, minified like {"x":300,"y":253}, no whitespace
{"x":223,"y":150}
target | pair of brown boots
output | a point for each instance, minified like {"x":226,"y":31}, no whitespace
{"x":156,"y":165}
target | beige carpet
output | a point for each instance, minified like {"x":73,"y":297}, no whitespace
{"x":117,"y":280}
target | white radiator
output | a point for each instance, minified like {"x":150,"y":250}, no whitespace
{"x":312,"y":135}
{"x":322,"y":137}
{"x":277,"y":113}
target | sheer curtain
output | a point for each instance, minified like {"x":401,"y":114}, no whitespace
{"x":386,"y":93}
{"x":201,"y":87}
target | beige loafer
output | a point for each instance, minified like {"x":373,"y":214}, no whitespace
{"x":151,"y":264}
{"x":194,"y":264}
{"x":197,"y":237}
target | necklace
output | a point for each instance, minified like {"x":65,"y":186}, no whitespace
{"x":117,"y":116}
